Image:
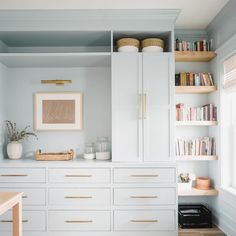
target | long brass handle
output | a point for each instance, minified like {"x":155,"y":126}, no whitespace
{"x":80,"y":176}
{"x":144,"y":197}
{"x":144,"y":221}
{"x":78,"y":197}
{"x":140,"y":107}
{"x":78,"y":221}
{"x":10,"y":221}
{"x":13,"y":175}
{"x":144,"y":175}
{"x":144,"y":106}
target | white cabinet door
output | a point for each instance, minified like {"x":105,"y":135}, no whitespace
{"x":126,"y":102}
{"x":157,"y":74}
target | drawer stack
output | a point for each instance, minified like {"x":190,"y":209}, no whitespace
{"x":112,"y":200}
{"x":85,"y":203}
{"x":29,"y":181}
{"x":143,"y":191}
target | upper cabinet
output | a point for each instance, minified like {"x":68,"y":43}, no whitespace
{"x":141,"y":105}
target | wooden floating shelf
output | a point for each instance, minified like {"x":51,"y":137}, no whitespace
{"x":193,"y":56}
{"x":196,"y":123}
{"x":195,"y":89}
{"x":196,"y":158}
{"x":197,"y":192}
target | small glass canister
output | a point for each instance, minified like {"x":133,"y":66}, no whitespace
{"x":89,"y":151}
{"x":103,"y":149}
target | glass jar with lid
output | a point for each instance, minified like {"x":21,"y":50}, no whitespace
{"x":89,"y":151}
{"x":103,"y":148}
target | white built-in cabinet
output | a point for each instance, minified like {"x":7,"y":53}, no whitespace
{"x":141,"y":106}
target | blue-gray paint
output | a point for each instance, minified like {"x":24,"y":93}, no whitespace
{"x":223,"y":25}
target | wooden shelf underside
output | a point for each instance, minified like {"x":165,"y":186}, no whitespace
{"x":196,"y":158}
{"x":196,"y":123}
{"x":197,"y":192}
{"x":195,"y":89}
{"x":194,"y":56}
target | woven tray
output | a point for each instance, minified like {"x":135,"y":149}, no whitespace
{"x":60,"y":156}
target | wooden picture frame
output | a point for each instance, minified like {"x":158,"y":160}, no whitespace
{"x":58,"y":111}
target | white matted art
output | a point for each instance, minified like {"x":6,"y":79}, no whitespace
{"x":58,"y":111}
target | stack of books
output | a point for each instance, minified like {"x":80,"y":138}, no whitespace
{"x":202,"y":45}
{"x":196,"y":147}
{"x":207,"y":112}
{"x":193,"y":79}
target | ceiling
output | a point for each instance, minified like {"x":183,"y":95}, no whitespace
{"x":195,"y":14}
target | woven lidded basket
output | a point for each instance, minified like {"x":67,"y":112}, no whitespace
{"x":60,"y":156}
{"x":128,"y":42}
{"x":152,"y":42}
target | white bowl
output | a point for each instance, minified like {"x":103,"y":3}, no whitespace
{"x":128,"y":49}
{"x":152,"y":49}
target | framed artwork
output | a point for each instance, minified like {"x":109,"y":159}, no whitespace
{"x":58,"y":111}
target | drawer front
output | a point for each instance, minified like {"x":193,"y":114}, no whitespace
{"x":22,"y":175}
{"x":144,"y":175}
{"x":79,"y":220}
{"x":79,"y":175}
{"x":80,"y":197}
{"x":31,"y":221}
{"x":31,"y":196}
{"x":144,"y":220}
{"x":144,"y":196}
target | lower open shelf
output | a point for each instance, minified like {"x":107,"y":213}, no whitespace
{"x":198,"y":232}
{"x":197,"y":192}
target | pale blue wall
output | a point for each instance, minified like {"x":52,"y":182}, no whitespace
{"x":224,"y":25}
{"x":3,"y":89}
{"x":94,"y":83}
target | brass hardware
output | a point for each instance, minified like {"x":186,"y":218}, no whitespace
{"x":144,"y":221}
{"x":143,"y":196}
{"x":13,"y":175}
{"x":10,"y":221}
{"x":140,"y":107}
{"x":82,"y":176}
{"x":78,"y":221}
{"x":57,"y":82}
{"x":79,"y":197}
{"x":144,"y":106}
{"x":144,"y":175}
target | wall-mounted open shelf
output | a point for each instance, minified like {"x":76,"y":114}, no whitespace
{"x":194,"y":56}
{"x":195,"y":89}
{"x":47,"y":60}
{"x":196,"y":123}
{"x":197,"y":192}
{"x":196,"y":158}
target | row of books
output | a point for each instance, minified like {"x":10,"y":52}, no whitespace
{"x":193,"y":79}
{"x":202,"y":45}
{"x":207,"y":112}
{"x":196,"y":147}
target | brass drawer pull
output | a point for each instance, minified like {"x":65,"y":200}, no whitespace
{"x":80,"y":176}
{"x":78,"y":221}
{"x":79,"y":197}
{"x":13,"y":175}
{"x":144,"y":176}
{"x":10,"y":221}
{"x":144,"y":221}
{"x":144,"y":197}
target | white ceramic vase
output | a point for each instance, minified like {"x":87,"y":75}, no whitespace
{"x":14,"y":150}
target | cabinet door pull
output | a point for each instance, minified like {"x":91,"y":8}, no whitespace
{"x":10,"y":221}
{"x":144,"y":106}
{"x":144,"y":221}
{"x":24,"y":196}
{"x":13,"y":175}
{"x":144,"y":197}
{"x":78,"y":197}
{"x":79,"y":176}
{"x":149,"y":176}
{"x":78,"y":221}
